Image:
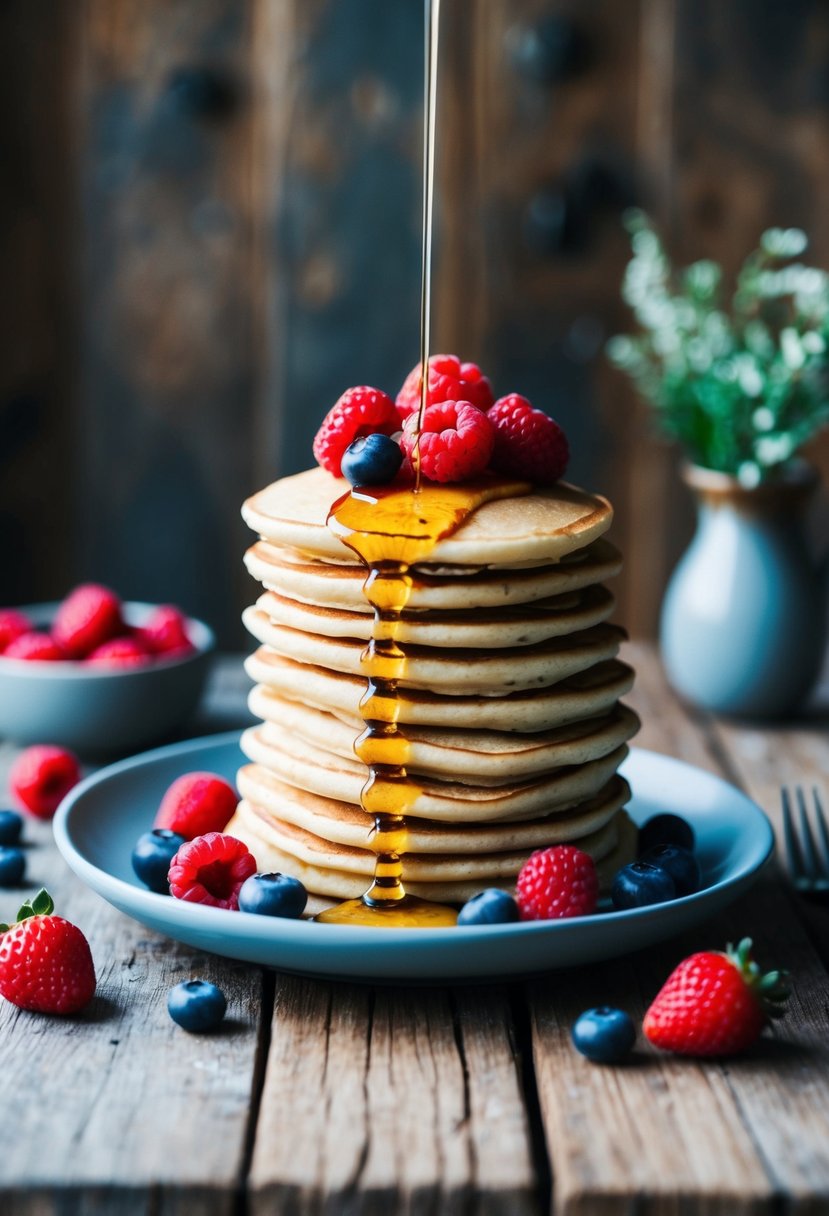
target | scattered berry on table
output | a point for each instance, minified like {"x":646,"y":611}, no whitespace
{"x":197,"y":803}
{"x":12,"y":625}
{"x":455,"y":441}
{"x":449,"y":380}
{"x":490,"y":907}
{"x":665,"y":829}
{"x":680,"y":863}
{"x":557,"y":882}
{"x":45,"y":962}
{"x":273,"y":895}
{"x":11,"y":827}
{"x":196,"y":1006}
{"x":12,"y":865}
{"x":372,"y":460}
{"x":165,"y":632}
{"x":42,"y":776}
{"x":90,"y":615}
{"x":119,"y":652}
{"x":34,"y":646}
{"x":715,"y":1004}
{"x":152,"y":856}
{"x":211,"y":870}
{"x":359,"y":411}
{"x":528,"y":443}
{"x":604,"y":1035}
{"x":640,"y":884}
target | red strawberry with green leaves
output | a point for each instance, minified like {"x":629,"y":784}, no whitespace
{"x":715,"y":1004}
{"x":45,"y":962}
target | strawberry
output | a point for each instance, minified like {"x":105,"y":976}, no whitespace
{"x":197,"y":803}
{"x":45,"y":962}
{"x":42,"y":776}
{"x":715,"y":1003}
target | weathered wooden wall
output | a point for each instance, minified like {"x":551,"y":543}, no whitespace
{"x":209,"y":226}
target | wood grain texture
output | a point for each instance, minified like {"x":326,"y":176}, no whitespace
{"x":385,"y":1100}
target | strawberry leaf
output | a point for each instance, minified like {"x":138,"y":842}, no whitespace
{"x":41,"y":904}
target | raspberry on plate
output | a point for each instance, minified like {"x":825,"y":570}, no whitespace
{"x":165,"y":632}
{"x":90,"y":615}
{"x":42,"y":776}
{"x":12,"y":625}
{"x":360,"y":411}
{"x":197,"y":803}
{"x":557,"y":882}
{"x":449,"y":380}
{"x":211,"y":870}
{"x":34,"y":646}
{"x":45,"y":962}
{"x":528,"y":443}
{"x":119,"y":652}
{"x":455,"y":441}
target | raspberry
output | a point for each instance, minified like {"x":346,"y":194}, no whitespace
{"x":210,"y":870}
{"x":455,"y":441}
{"x":45,"y":962}
{"x":528,"y":443}
{"x":34,"y":645}
{"x":360,"y":411}
{"x":119,"y":652}
{"x":89,"y":615}
{"x":41,"y":776}
{"x":12,"y":625}
{"x":449,"y":380}
{"x":165,"y":632}
{"x":197,"y":803}
{"x":557,"y":882}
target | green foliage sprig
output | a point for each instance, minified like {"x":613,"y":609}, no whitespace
{"x":741,"y":389}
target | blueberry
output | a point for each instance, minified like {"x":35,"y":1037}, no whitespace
{"x":682,"y":866}
{"x":12,"y":866}
{"x":665,"y":829}
{"x":604,"y":1035}
{"x":371,"y":461}
{"x":151,"y":857}
{"x":490,"y":907}
{"x":11,"y":826}
{"x":640,"y":884}
{"x":196,"y":1005}
{"x":273,"y":895}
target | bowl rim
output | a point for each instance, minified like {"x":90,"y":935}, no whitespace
{"x":203,"y":638}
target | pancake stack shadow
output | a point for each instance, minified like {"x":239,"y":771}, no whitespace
{"x":510,"y":702}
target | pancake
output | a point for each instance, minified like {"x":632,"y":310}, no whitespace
{"x":517,"y":625}
{"x":530,"y":530}
{"x":584,"y":695}
{"x":297,"y":763}
{"x":266,"y":799}
{"x":328,"y":585}
{"x":488,"y":757}
{"x":491,"y":672}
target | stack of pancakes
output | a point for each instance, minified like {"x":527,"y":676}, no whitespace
{"x":509,"y":704}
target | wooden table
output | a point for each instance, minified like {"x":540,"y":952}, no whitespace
{"x":329,"y":1098}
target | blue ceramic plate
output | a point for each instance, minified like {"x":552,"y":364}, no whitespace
{"x":97,"y":824}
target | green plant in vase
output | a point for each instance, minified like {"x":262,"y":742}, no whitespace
{"x":741,"y":388}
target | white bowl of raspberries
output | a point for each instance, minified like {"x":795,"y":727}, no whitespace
{"x":98,"y":674}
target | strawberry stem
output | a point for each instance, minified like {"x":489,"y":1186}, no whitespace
{"x":771,"y":989}
{"x":41,"y":904}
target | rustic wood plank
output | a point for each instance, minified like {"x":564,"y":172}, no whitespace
{"x":386,"y":1100}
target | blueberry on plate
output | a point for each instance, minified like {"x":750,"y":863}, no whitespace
{"x":641,"y":884}
{"x":604,"y":1035}
{"x":681,"y":864}
{"x":12,"y":866}
{"x":490,"y":907}
{"x":196,"y":1005}
{"x":273,"y":895}
{"x":665,"y":829}
{"x":11,"y":827}
{"x":151,"y":857}
{"x":371,"y":461}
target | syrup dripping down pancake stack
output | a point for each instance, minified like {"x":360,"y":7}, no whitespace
{"x":508,"y":701}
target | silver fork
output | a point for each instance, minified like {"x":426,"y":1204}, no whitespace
{"x":807,"y":860}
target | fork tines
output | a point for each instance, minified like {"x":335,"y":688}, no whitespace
{"x":808,"y":861}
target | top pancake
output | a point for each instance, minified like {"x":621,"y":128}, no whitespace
{"x":534,"y":529}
